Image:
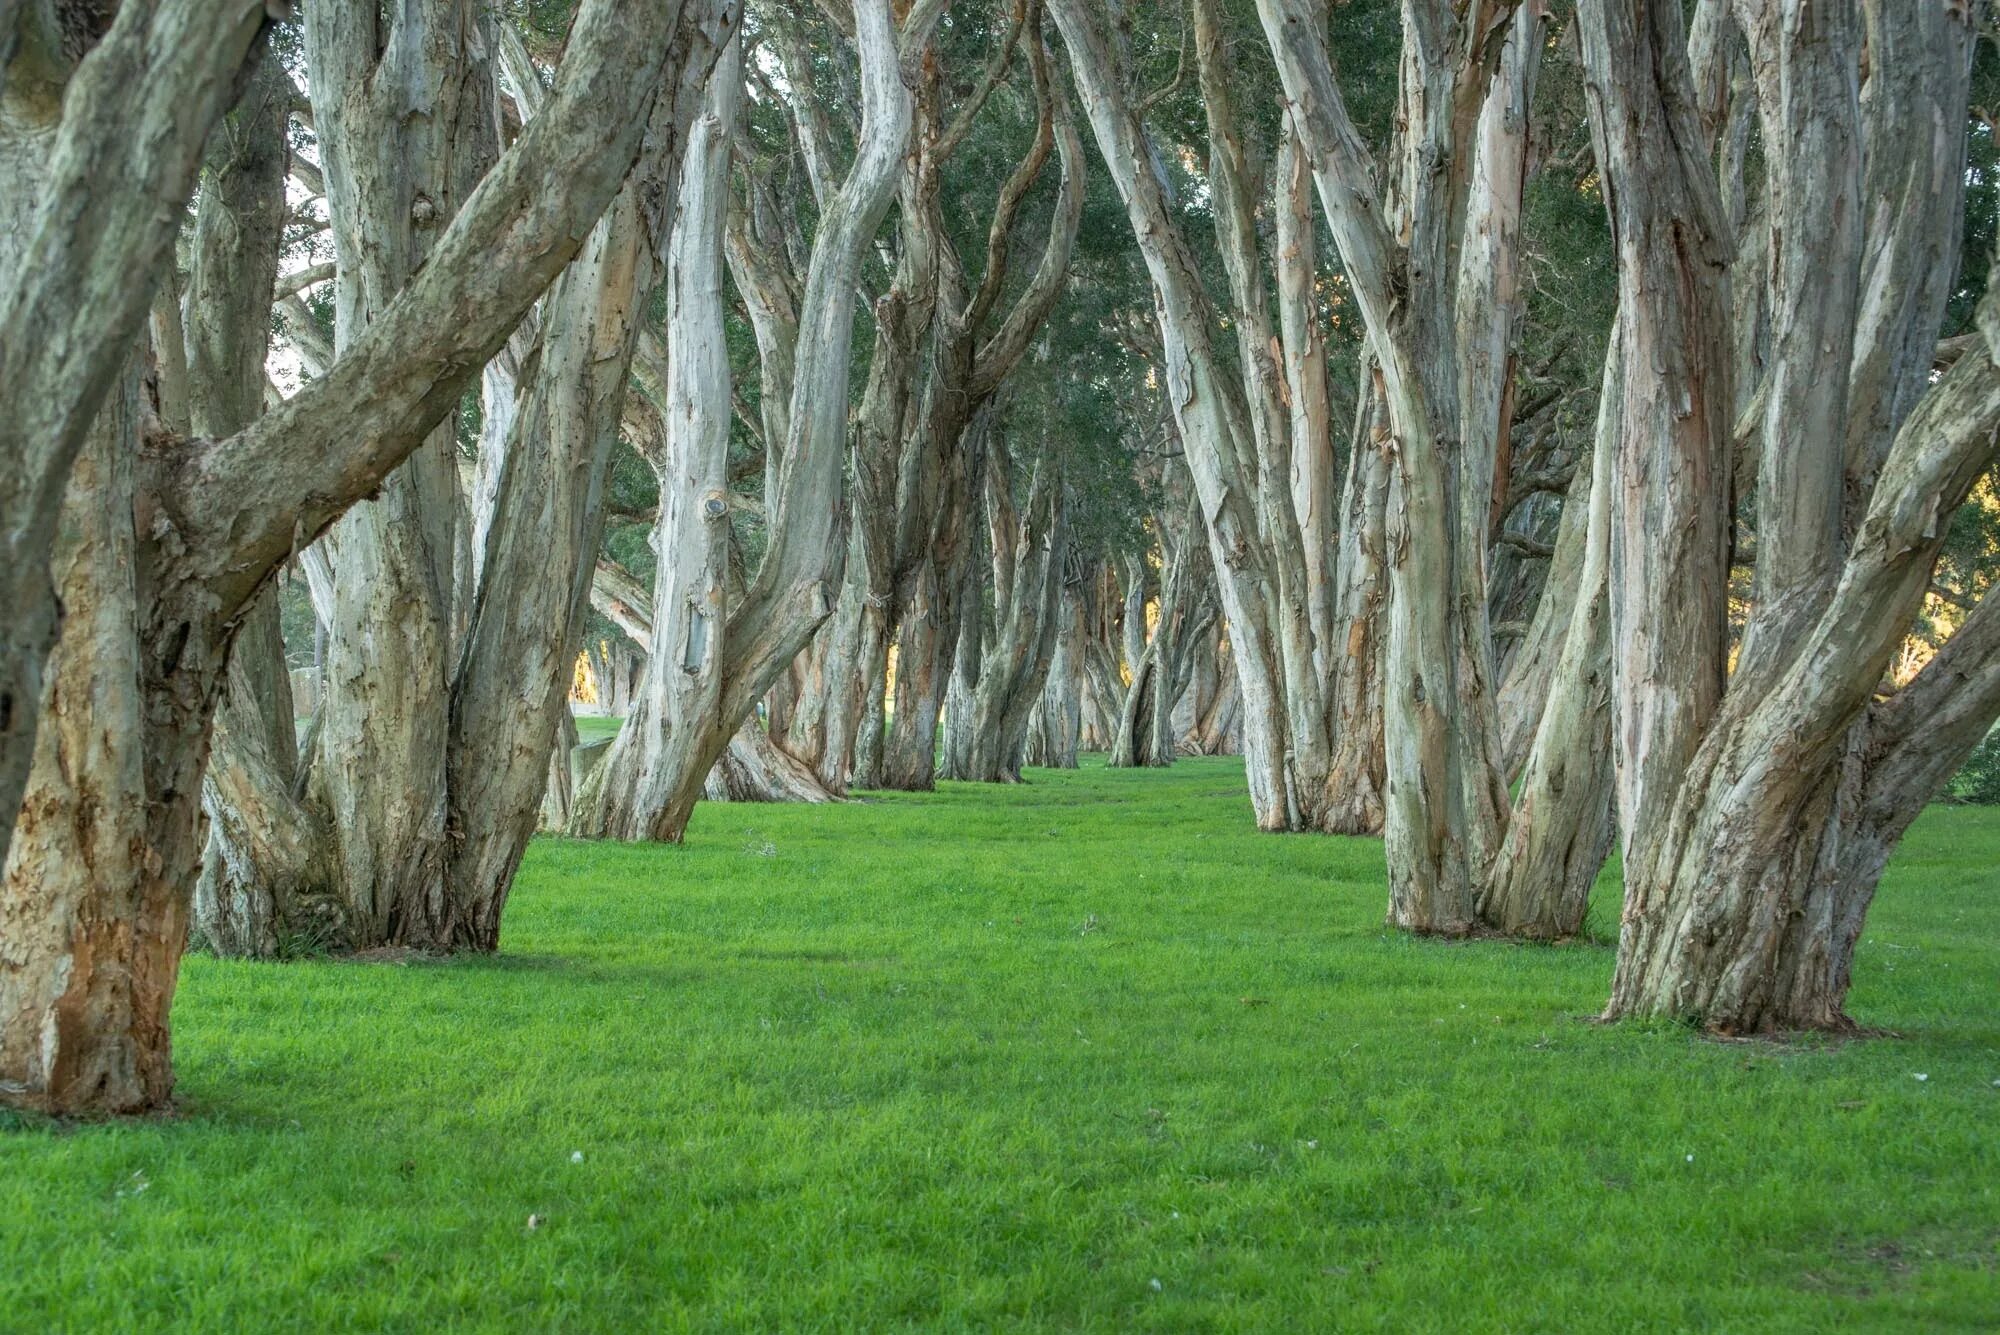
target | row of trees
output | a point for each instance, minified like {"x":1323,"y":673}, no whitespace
{"x":1553,"y":427}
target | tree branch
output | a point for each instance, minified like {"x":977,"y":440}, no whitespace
{"x":243,"y":504}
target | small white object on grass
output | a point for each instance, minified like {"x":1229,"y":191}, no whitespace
{"x":535,"y":1221}
{"x":1690,"y":1158}
{"x":1156,"y":1286}
{"x":576,"y":1156}
{"x":1922,"y":1076}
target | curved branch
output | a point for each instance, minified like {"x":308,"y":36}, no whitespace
{"x":242,"y":505}
{"x":1000,"y":353}
{"x":996,"y":69}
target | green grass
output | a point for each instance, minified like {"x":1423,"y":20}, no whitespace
{"x":590,"y":727}
{"x":1084,"y":1054}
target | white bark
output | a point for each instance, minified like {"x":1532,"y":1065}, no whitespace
{"x":1215,"y":439}
{"x":741,"y":649}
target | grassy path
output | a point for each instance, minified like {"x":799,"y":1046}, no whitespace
{"x":1088,"y":1053}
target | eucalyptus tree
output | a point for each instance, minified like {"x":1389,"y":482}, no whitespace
{"x":1758,"y":809}
{"x":163,"y":549}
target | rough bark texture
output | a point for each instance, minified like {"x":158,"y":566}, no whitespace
{"x":406,"y":130}
{"x":736,"y":653}
{"x":1438,"y":376}
{"x":986,"y":736}
{"x":88,"y":926}
{"x":264,"y":876}
{"x":171,"y":544}
{"x":103,"y":117}
{"x":1056,"y":725}
{"x":1266,"y":631}
{"x":1754,"y":860}
{"x":1162,"y":672}
{"x":935,"y":470}
{"x":1560,"y":829}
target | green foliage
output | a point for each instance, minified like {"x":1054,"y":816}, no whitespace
{"x":1979,"y":781}
{"x":1982,"y":191}
{"x":1086,"y":1054}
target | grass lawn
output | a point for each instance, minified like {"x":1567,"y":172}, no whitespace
{"x":591,"y":727}
{"x":1088,"y":1053}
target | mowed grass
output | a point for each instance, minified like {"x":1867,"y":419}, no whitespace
{"x":596,"y":727}
{"x":1085,"y":1054}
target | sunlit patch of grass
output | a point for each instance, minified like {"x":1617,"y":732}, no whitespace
{"x":1087,"y":1053}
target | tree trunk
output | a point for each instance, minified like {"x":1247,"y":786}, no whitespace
{"x":1210,"y":415}
{"x":102,"y":126}
{"x":1162,"y":671}
{"x":170,"y":544}
{"x":984,"y":744}
{"x":1753,"y":864}
{"x":393,"y":183}
{"x":1559,"y":830}
{"x":83,"y":1005}
{"x":938,"y":474}
{"x":930,"y":607}
{"x":715,"y":662}
{"x":756,"y":769}
{"x":1057,"y":720}
{"x":264,"y":880}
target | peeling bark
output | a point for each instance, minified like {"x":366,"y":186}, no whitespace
{"x":101,"y":131}
{"x":735,"y":653}
{"x":174,"y":540}
{"x":986,"y":736}
{"x":1755,"y":858}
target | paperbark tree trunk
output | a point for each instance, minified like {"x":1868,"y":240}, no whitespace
{"x":265,"y":880}
{"x":406,"y":129}
{"x":1028,"y":544}
{"x":1211,"y":417}
{"x":1525,"y":683}
{"x":1447,"y":213}
{"x":509,"y":616}
{"x":1215,"y":702}
{"x":1560,"y":828}
{"x":1161,"y":674}
{"x":974,"y":348}
{"x":1356,"y":775}
{"x":1057,"y":721}
{"x":173,"y":542}
{"x":734,"y":654}
{"x":83,"y":1005}
{"x":1753,"y":862}
{"x":104,"y":113}
{"x":1102,"y":689}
